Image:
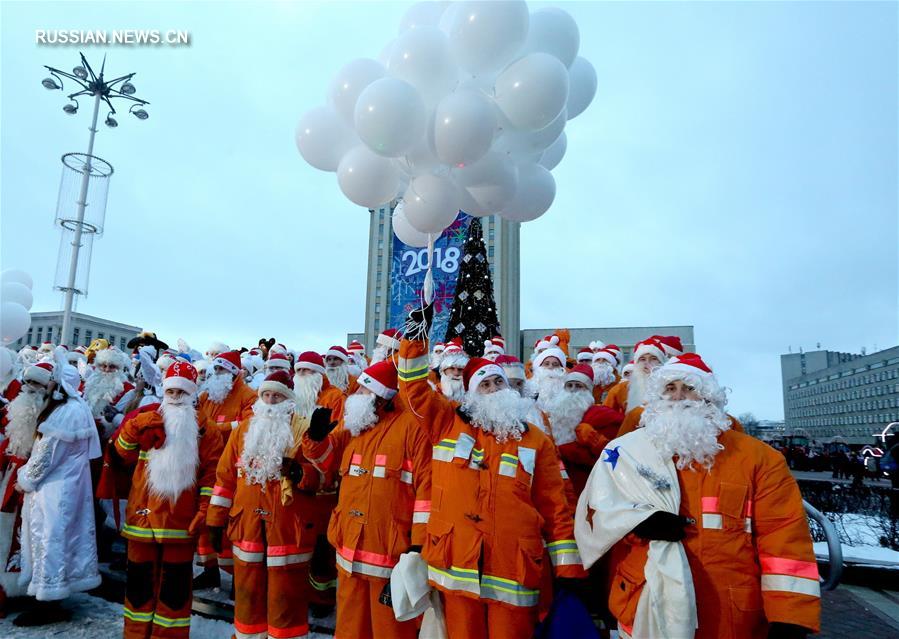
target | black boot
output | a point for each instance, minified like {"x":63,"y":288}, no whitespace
{"x":43,"y":613}
{"x":209,"y":578}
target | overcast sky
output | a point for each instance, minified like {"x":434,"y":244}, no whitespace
{"x":736,"y":172}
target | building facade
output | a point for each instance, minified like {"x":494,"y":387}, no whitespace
{"x":851,"y":396}
{"x":502,"y":240}
{"x":623,"y":337}
{"x":47,"y":327}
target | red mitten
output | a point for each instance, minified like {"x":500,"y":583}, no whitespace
{"x":587,"y":436}
{"x":152,"y":437}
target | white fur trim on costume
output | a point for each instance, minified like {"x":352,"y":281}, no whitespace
{"x":577,"y":376}
{"x":334,"y":353}
{"x":649,"y":349}
{"x":277,"y":387}
{"x":309,"y":366}
{"x":181,"y":383}
{"x":454,"y":360}
{"x":376,"y":387}
{"x":552,"y":351}
{"x":605,"y":356}
{"x":388,"y":342}
{"x":228,"y":366}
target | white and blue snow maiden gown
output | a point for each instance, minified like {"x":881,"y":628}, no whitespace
{"x":59,"y":548}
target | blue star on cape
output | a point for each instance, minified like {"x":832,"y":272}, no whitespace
{"x":611,"y":456}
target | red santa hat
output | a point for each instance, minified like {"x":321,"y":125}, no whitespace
{"x":596,"y":345}
{"x":496,"y":345}
{"x":277,"y":361}
{"x":613,"y":348}
{"x":649,"y":347}
{"x":181,"y":375}
{"x":478,"y":369}
{"x":338,"y":351}
{"x":356,"y":348}
{"x":229,"y":360}
{"x":512,"y":366}
{"x":310,"y":360}
{"x":605,"y":355}
{"x":453,"y":360}
{"x":627,"y":368}
{"x":390,"y":338}
{"x":691,"y":369}
{"x":585,"y":355}
{"x":552,"y":351}
{"x":689,"y":363}
{"x":438,"y":348}
{"x":40,"y":373}
{"x":547,"y":342}
{"x":381,"y":379}
{"x":46,"y":347}
{"x":671,"y":344}
{"x":278,"y":381}
{"x":581,"y":373}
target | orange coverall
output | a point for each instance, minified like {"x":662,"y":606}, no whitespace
{"x":493,"y":507}
{"x":616,"y":398}
{"x":750,"y":551}
{"x":161,"y":536}
{"x":382,"y":509}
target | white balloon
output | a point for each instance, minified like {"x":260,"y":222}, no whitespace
{"x":554,"y":154}
{"x":14,"y":321}
{"x":532,"y":90}
{"x":384,"y":55}
{"x":17,"y":293}
{"x":555,"y":32}
{"x":322,"y":138}
{"x":536,"y":192}
{"x":422,"y":58}
{"x":15,"y":275}
{"x":491,"y":182}
{"x":525,"y":143}
{"x":422,"y":14}
{"x":484,"y":35}
{"x":366,"y":178}
{"x":464,"y":126}
{"x":390,"y":116}
{"x":582,"y":86}
{"x":407,"y":234}
{"x":349,"y":82}
{"x":431,"y":203}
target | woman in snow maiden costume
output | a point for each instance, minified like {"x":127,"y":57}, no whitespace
{"x":59,"y":548}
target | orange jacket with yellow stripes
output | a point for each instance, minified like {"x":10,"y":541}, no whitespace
{"x":260,"y":527}
{"x":224,"y":417}
{"x":151,"y":517}
{"x":750,"y":551}
{"x":385,"y":491}
{"x":493,"y":505}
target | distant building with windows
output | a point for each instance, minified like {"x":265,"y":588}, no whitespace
{"x":47,"y":327}
{"x":847,"y":395}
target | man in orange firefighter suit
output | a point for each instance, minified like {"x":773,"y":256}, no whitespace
{"x":226,"y":402}
{"x":313,"y":388}
{"x":262,"y":495}
{"x":605,"y":372}
{"x":175,"y":469}
{"x":631,"y":393}
{"x":741,"y":518}
{"x":384,"y":503}
{"x":497,"y":497}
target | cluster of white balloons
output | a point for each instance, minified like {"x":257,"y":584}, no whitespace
{"x":15,"y":302}
{"x":465,"y":109}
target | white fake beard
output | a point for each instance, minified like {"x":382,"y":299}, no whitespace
{"x":636,"y":388}
{"x":218,"y":386}
{"x":339,"y":376}
{"x":434,"y":359}
{"x":101,"y":388}
{"x":379,"y":354}
{"x":452,"y":388}
{"x":306,"y":389}
{"x":545,"y":384}
{"x":565,"y":411}
{"x":172,"y":468}
{"x":23,"y":412}
{"x":359,"y":413}
{"x":603,"y":374}
{"x":269,"y":437}
{"x":687,"y":430}
{"x":501,"y":413}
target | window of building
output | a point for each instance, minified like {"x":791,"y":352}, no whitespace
{"x":28,"y":338}
{"x":111,"y":339}
{"x":40,"y":331}
{"x":122,"y":343}
{"x":49,"y":333}
{"x":100,"y":335}
{"x":75,"y":335}
{"x":88,"y":337}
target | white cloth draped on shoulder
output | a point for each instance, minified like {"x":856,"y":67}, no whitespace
{"x":629,"y":483}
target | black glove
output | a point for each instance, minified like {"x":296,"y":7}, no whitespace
{"x":215,"y":537}
{"x":386,"y":597}
{"x":110,"y":412}
{"x":419,"y":323}
{"x":320,"y":424}
{"x":662,"y":526}
{"x":414,"y":549}
{"x":779,"y":630}
{"x":292,"y":469}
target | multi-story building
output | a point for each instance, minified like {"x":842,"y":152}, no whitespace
{"x":846,"y":395}
{"x":47,"y":327}
{"x":502,"y":240}
{"x":623,"y":337}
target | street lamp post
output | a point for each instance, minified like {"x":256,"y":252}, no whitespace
{"x":101,"y":90}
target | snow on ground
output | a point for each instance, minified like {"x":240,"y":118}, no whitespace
{"x":95,"y":618}
{"x":874,"y":555}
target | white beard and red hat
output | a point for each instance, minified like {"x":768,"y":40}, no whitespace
{"x":307,"y":388}
{"x":270,"y":435}
{"x":218,"y":385}
{"x":102,"y":389}
{"x":584,"y":356}
{"x":339,"y":375}
{"x":501,"y":413}
{"x":24,"y":410}
{"x":671,"y":344}
{"x":358,"y":362}
{"x":28,"y":355}
{"x":495,"y":347}
{"x":604,"y":363}
{"x":172,"y":468}
{"x":546,"y":383}
{"x":387,"y":342}
{"x":639,"y":380}
{"x":686,"y":430}
{"x":566,"y":409}
{"x":451,"y":387}
{"x":360,"y":411}
{"x":436,"y":355}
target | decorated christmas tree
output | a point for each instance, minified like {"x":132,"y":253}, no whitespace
{"x":473,"y":317}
